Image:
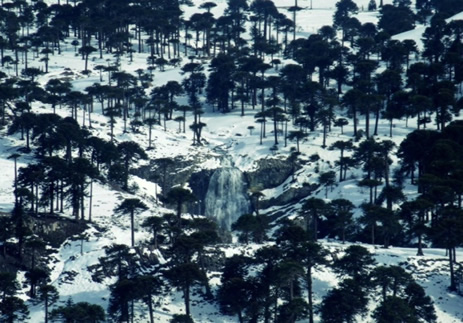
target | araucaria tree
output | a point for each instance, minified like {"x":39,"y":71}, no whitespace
{"x":12,"y":308}
{"x":184,"y":276}
{"x":129,"y":152}
{"x":193,"y":85}
{"x":47,"y":295}
{"x":131,"y":206}
{"x":220,"y":82}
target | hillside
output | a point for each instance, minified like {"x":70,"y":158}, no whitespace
{"x":241,"y":161}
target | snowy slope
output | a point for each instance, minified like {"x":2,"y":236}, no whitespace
{"x":230,"y":132}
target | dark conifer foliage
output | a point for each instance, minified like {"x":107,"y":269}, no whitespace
{"x":251,"y":60}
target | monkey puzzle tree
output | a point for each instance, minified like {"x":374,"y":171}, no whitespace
{"x":414,"y":213}
{"x":327,"y":179}
{"x":352,"y":101}
{"x":220,"y":82}
{"x":193,"y":85}
{"x":340,"y":217}
{"x":6,"y":232}
{"x":77,"y":174}
{"x":344,"y":302}
{"x":228,"y":302}
{"x":15,"y":157}
{"x":86,"y":51}
{"x":12,"y":308}
{"x":131,"y":206}
{"x":247,"y":224}
{"x":296,"y":246}
{"x":147,"y":286}
{"x":394,"y":309}
{"x":342,"y":146}
{"x":354,"y":263}
{"x":179,"y":196}
{"x":129,"y":152}
{"x":155,"y":224}
{"x":297,"y":135}
{"x":23,"y":124}
{"x":344,"y":10}
{"x":121,"y":301}
{"x":447,"y":232}
{"x":78,"y":312}
{"x":235,"y":280}
{"x":390,"y":278}
{"x":47,"y":295}
{"x":311,"y":211}
{"x":184,"y":276}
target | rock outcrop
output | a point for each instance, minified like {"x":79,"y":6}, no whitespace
{"x":270,"y":173}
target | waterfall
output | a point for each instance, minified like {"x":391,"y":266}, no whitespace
{"x":226,"y":198}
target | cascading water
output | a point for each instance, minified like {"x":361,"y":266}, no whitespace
{"x":226,"y":198}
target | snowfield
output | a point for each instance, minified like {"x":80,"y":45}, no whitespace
{"x":229,"y":134}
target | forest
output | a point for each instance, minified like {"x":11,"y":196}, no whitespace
{"x":105,"y":105}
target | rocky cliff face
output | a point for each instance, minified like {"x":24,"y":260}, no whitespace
{"x":55,"y":229}
{"x":199,"y":184}
{"x":168,"y":172}
{"x":270,"y":173}
{"x":291,"y":195}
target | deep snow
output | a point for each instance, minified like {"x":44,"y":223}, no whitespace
{"x":231,"y":133}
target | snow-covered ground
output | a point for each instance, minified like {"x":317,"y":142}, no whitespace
{"x":229,"y":132}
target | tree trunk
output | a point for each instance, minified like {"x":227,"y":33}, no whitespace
{"x":341,"y":165}
{"x":309,"y":292}
{"x":453,"y":286}
{"x":150,"y":308}
{"x":132,"y":228}
{"x":132,"y":311}
{"x":240,"y":317}
{"x":420,"y":246}
{"x":372,"y":234}
{"x":90,"y":202}
{"x":275,"y":129}
{"x":315,"y":227}
{"x":186,"y":296}
{"x":46,"y":311}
